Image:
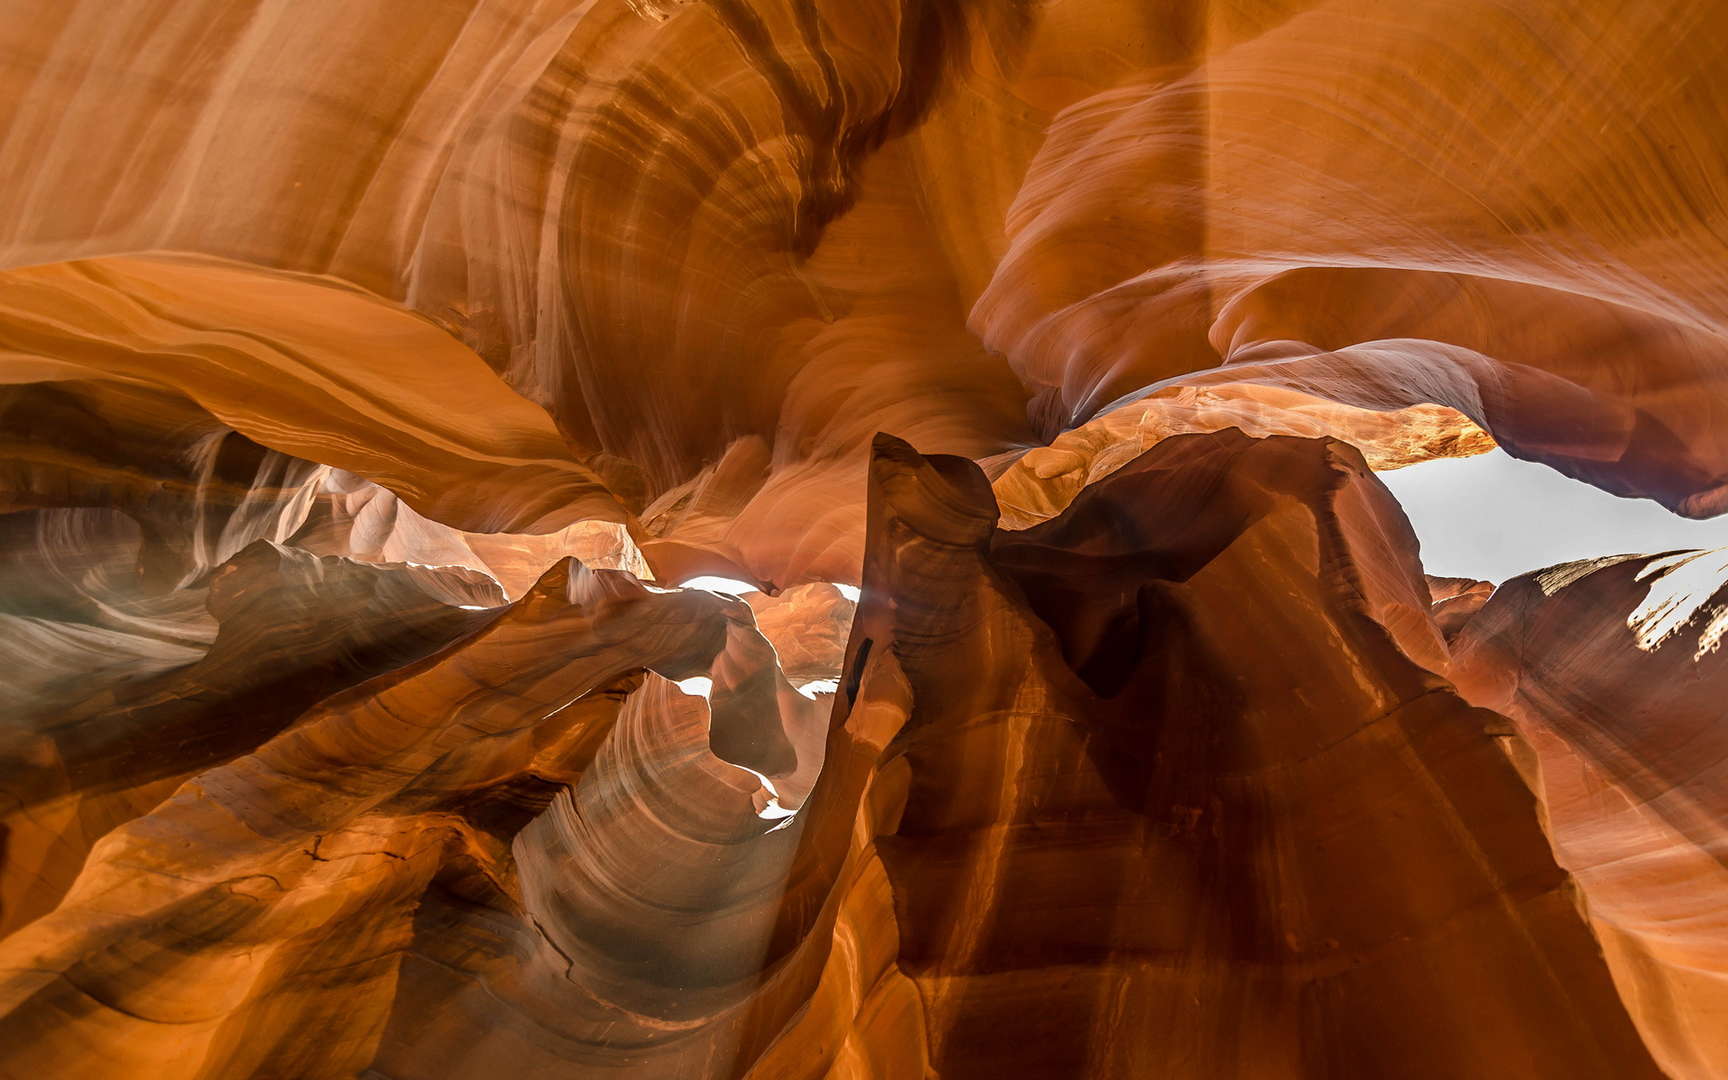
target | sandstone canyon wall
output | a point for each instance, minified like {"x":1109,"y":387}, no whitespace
{"x":374,"y":374}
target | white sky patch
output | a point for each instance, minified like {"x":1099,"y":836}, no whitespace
{"x":697,"y":686}
{"x":1493,"y":517}
{"x":730,"y":586}
{"x":850,"y":592}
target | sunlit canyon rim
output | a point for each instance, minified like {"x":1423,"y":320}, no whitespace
{"x":375,"y":374}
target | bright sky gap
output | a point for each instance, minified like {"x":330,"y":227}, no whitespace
{"x":1493,"y":517}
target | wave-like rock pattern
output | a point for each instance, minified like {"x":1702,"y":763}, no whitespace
{"x":373,"y":375}
{"x":1609,"y":670}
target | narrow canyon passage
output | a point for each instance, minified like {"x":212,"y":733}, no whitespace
{"x":863,"y":539}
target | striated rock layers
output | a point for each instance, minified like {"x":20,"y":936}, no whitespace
{"x":374,"y":376}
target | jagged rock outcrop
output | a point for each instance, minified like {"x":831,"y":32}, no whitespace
{"x":1160,"y":837}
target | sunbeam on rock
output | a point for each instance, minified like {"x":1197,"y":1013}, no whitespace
{"x":861,"y":539}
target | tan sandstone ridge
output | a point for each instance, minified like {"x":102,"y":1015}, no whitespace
{"x":373,"y":375}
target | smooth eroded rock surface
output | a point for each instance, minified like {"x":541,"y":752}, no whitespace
{"x":374,"y":376}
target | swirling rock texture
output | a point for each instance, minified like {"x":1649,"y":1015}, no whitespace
{"x":373,"y":374}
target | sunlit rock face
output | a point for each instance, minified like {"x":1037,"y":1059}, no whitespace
{"x":373,"y":377}
{"x":1611,"y":674}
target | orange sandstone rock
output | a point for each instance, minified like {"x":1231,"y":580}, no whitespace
{"x":372,"y":375}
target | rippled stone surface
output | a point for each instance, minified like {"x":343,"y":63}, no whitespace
{"x":373,"y":375}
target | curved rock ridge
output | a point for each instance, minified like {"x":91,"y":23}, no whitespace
{"x":516,"y":850}
{"x":1610,"y":671}
{"x":1407,"y":253}
{"x":1505,"y":215}
{"x":316,"y":369}
{"x":374,"y":376}
{"x":238,"y":874}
